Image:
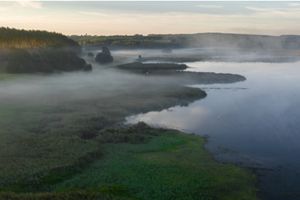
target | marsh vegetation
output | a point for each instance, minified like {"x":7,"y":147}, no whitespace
{"x":63,"y":135}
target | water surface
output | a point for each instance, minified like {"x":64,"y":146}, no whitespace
{"x":255,"y":123}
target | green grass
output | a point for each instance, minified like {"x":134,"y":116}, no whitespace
{"x":140,"y":162}
{"x":77,"y":195}
{"x":37,"y":136}
{"x":30,"y":146}
{"x":172,"y":165}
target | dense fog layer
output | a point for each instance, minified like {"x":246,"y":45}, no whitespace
{"x":42,"y":89}
{"x":104,"y":80}
{"x":221,"y":54}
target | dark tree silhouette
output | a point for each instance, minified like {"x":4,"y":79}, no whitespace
{"x":104,"y":56}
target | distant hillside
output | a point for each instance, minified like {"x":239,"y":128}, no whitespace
{"x":14,"y":38}
{"x":224,"y":40}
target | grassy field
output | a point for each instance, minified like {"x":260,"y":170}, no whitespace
{"x":172,"y":165}
{"x":154,"y":164}
{"x":37,"y":137}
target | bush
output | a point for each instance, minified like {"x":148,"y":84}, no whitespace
{"x":104,"y":56}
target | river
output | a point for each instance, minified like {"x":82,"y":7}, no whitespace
{"x":255,"y":123}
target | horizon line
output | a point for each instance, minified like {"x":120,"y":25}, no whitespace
{"x":149,"y":34}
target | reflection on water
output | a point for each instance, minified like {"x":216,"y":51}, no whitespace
{"x":255,"y":123}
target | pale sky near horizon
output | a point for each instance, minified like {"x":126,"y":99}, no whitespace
{"x":119,"y":18}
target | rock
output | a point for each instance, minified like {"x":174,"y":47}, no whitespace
{"x":104,"y":56}
{"x":90,"y":54}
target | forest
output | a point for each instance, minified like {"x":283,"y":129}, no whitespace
{"x":23,"y":51}
{"x":25,"y":39}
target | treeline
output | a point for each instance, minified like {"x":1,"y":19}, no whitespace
{"x":24,"y":51}
{"x":14,"y":38}
{"x":223,"y":40}
{"x":130,"y":41}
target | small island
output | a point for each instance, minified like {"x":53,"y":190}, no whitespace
{"x":148,"y":67}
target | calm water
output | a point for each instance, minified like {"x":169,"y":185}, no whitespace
{"x":255,"y":123}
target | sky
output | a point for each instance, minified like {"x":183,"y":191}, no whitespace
{"x":132,"y":17}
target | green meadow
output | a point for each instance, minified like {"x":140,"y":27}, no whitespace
{"x":146,"y":163}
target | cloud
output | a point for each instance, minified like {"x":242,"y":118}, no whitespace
{"x":294,"y":4}
{"x":30,"y":4}
{"x":268,"y":10}
{"x":2,"y":9}
{"x":245,"y":18}
{"x":209,"y":6}
{"x":289,"y":12}
{"x":257,"y":9}
{"x":90,"y":13}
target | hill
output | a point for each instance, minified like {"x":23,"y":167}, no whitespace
{"x":24,"y":51}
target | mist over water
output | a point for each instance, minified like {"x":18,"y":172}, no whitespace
{"x":52,"y":89}
{"x":254,"y":123}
